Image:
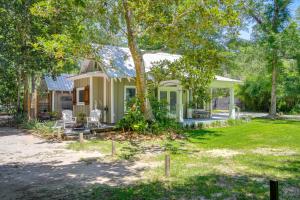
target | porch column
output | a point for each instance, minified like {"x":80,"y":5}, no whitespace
{"x":231,"y":104}
{"x":112,"y":114}
{"x":104,"y":98}
{"x":91,"y":94}
{"x":179,"y":105}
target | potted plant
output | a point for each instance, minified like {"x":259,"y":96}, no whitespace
{"x":53,"y":115}
{"x":81,"y":119}
{"x":190,"y":109}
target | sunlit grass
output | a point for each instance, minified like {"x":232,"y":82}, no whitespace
{"x":234,"y":162}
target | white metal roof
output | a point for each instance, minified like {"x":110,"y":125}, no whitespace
{"x":119,"y":63}
{"x":59,"y":83}
{"x":221,"y":78}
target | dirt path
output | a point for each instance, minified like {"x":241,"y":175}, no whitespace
{"x":32,"y":168}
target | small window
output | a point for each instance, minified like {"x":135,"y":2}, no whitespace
{"x":130,"y":93}
{"x":66,"y":102}
{"x":80,"y":96}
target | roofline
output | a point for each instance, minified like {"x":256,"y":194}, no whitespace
{"x":87,"y":75}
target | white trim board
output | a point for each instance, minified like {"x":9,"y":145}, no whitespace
{"x":127,"y":87}
{"x":87,"y":75}
{"x":77,"y":97}
{"x":104,"y":98}
{"x":112,"y":111}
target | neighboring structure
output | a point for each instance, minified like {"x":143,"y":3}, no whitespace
{"x":109,"y":84}
{"x":55,"y":94}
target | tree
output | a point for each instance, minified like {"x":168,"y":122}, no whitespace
{"x":192,"y":28}
{"x":273,"y":30}
{"x":18,"y":59}
{"x":24,"y":51}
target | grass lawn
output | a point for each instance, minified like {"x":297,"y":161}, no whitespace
{"x":220,"y":163}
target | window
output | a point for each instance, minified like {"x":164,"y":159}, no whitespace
{"x":66,"y":102}
{"x":129,"y":93}
{"x":80,"y":96}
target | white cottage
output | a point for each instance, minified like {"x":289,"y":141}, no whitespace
{"x":109,"y":83}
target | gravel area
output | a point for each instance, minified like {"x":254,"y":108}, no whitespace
{"x":32,"y":168}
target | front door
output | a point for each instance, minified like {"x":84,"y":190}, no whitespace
{"x":169,"y":96}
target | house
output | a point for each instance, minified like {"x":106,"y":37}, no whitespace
{"x":55,"y":94}
{"x":109,"y":83}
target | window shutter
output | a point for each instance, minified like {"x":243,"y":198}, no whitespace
{"x":86,"y":96}
{"x":74,"y":96}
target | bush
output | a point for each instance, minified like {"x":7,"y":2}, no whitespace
{"x":44,"y":129}
{"x":54,"y":115}
{"x":295,"y":110}
{"x":81,"y":117}
{"x":134,"y":119}
{"x":255,"y":94}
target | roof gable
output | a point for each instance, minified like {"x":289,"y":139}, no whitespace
{"x":60,"y":83}
{"x":118,"y":62}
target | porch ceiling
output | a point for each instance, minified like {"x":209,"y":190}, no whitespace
{"x":218,"y":82}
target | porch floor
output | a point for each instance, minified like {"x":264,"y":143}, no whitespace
{"x":206,"y":120}
{"x":89,"y":130}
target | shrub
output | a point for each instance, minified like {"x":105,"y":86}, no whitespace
{"x":53,"y":115}
{"x":200,"y":125}
{"x":44,"y":129}
{"x":235,"y":122}
{"x":295,"y":110}
{"x":134,"y":119}
{"x":81,"y":117}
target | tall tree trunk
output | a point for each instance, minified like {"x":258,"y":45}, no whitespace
{"x":272,"y":111}
{"x":138,"y":63}
{"x":26,"y":100}
{"x":18,"y":94}
{"x":33,"y":97}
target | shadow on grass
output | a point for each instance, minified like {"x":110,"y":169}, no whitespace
{"x":136,"y":148}
{"x":277,"y":121}
{"x":199,"y":136}
{"x":210,"y":186}
{"x":100,"y":180}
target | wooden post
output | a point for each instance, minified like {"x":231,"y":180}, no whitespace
{"x":113,"y":148}
{"x":167,"y":166}
{"x":81,"y":138}
{"x":59,"y":133}
{"x":274,"y":190}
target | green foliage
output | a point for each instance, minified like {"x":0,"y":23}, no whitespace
{"x":44,"y":129}
{"x":134,"y":119}
{"x":255,"y":93}
{"x":25,"y":50}
{"x":278,"y":37}
{"x":295,"y":109}
{"x":54,"y":114}
{"x":81,"y":117}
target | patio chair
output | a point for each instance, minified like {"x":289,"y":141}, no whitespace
{"x":94,"y":118}
{"x":67,"y":118}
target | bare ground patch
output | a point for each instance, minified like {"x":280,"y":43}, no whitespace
{"x":225,"y":153}
{"x":33,"y":168}
{"x":274,"y":151}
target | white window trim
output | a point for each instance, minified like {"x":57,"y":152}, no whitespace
{"x":125,"y":88}
{"x":77,"y":97}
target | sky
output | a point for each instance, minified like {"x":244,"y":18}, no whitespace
{"x":293,"y":7}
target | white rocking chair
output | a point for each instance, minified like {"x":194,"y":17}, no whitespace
{"x":67,"y":118}
{"x":94,"y":118}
